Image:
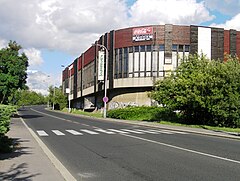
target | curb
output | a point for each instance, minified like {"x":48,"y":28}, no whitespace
{"x":58,"y":165}
{"x":155,"y":125}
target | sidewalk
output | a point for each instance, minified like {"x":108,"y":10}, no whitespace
{"x":28,"y":161}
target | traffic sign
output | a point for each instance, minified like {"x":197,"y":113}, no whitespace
{"x":105,"y":99}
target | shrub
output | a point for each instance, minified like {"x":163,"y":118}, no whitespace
{"x":204,"y":91}
{"x":143,"y":113}
{"x":5,"y":113}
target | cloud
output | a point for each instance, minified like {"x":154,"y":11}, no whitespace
{"x":39,"y":81}
{"x":230,"y":24}
{"x":228,"y":7}
{"x":34,"y":57}
{"x":168,"y":11}
{"x":72,"y":26}
{"x":69,"y":26}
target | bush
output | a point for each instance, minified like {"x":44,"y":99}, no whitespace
{"x":5,"y":113}
{"x":205,"y":91}
{"x":143,"y":113}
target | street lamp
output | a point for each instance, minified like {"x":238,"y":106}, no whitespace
{"x":53,"y":95}
{"x":105,"y":98}
{"x":69,"y":102}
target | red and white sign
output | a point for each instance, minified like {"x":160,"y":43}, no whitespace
{"x":142,"y":34}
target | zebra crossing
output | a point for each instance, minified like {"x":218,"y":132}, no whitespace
{"x":98,"y":131}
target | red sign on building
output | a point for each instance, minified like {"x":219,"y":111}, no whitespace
{"x":142,"y":34}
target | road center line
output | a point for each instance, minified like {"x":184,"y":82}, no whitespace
{"x":48,"y":114}
{"x":184,"y":149}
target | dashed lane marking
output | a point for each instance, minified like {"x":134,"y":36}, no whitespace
{"x":146,"y":131}
{"x":162,"y":131}
{"x":118,"y":131}
{"x":88,"y":131}
{"x":74,"y":132}
{"x":57,"y":132}
{"x":42,"y":133}
{"x":132,"y":131}
{"x":104,"y":131}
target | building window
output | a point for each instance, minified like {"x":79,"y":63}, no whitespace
{"x":142,"y":48}
{"x":161,"y":48}
{"x":125,"y":63}
{"x":136,"y":49}
{"x":180,"y":48}
{"x":187,"y":48}
{"x":174,"y":48}
{"x":116,"y":64}
{"x":149,"y":48}
{"x":120,"y":63}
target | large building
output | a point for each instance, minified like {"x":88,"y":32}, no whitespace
{"x":137,"y":57}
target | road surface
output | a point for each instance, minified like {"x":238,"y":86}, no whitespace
{"x":93,"y":149}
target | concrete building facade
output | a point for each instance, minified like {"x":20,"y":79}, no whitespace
{"x":137,"y":57}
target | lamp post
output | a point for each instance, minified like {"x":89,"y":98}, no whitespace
{"x":69,"y":102}
{"x":105,"y":98}
{"x":53,"y":95}
{"x":48,"y":88}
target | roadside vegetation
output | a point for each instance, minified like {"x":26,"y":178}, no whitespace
{"x":5,"y":113}
{"x":13,"y":75}
{"x":57,"y":98}
{"x":200,"y":92}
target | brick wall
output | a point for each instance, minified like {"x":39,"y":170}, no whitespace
{"x":226,"y":42}
{"x":238,"y":44}
{"x":181,"y":35}
{"x":89,"y":56}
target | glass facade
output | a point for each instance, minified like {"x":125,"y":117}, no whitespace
{"x":146,"y":60}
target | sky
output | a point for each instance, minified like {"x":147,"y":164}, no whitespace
{"x":53,"y":33}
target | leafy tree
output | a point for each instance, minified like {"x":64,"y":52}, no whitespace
{"x":204,"y":91}
{"x":26,"y":97}
{"x":57,"y":98}
{"x":13,"y":75}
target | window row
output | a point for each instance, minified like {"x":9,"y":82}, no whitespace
{"x":146,"y":60}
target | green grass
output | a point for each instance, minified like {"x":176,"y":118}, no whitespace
{"x":92,"y":114}
{"x":214,"y":128}
{"x":146,"y":117}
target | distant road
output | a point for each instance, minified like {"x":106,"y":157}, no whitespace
{"x":102,"y":150}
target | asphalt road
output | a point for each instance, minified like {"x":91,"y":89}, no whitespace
{"x":105,"y":150}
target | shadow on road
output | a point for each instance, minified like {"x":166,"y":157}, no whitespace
{"x":30,"y":116}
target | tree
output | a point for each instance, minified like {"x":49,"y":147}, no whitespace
{"x":204,"y":91}
{"x":13,"y":71}
{"x":57,"y":97}
{"x":26,"y":97}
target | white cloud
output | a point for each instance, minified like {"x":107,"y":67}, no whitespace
{"x":39,"y":81}
{"x":3,"y":43}
{"x":229,"y":7}
{"x":169,"y":11}
{"x":230,"y":24}
{"x":34,"y":57}
{"x":69,"y":26}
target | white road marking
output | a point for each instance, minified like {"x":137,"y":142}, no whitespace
{"x":74,"y":132}
{"x":132,"y":131}
{"x":118,"y":131}
{"x":88,"y":131}
{"x":42,"y":133}
{"x":147,"y":131}
{"x":184,"y":149}
{"x":48,"y":114}
{"x":104,"y":131}
{"x":57,"y":132}
{"x":161,"y":131}
{"x":178,"y":132}
{"x":85,"y":124}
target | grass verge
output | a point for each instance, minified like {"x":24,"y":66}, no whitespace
{"x":138,"y":117}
